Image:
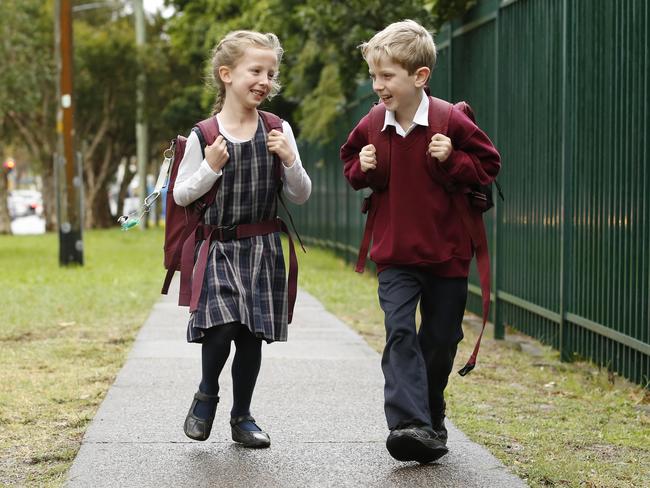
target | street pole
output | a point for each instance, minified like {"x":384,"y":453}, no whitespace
{"x":68,"y":178}
{"x":141,"y":129}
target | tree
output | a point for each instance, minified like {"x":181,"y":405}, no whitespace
{"x":107,"y":63}
{"x":27,"y":88}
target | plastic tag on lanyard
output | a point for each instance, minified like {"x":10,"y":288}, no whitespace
{"x":134,"y":218}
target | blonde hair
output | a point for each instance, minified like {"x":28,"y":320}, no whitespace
{"x":406,"y":43}
{"x":229,"y":51}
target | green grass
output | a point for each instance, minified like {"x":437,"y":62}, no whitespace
{"x":64,"y":333}
{"x":552,"y":423}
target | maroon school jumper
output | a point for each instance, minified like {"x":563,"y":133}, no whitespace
{"x":416,"y":223}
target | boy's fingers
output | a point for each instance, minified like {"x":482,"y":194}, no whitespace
{"x":439,"y":138}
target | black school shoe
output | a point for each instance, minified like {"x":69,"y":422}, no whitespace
{"x":197,"y":428}
{"x":438,"y":423}
{"x":256,"y":439}
{"x":440,"y":429}
{"x":415,"y":443}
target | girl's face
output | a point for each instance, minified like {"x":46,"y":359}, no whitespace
{"x":249,"y":82}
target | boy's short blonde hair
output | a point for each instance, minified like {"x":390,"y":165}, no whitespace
{"x":406,"y":43}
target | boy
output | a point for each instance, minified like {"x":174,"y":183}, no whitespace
{"x":420,"y":245}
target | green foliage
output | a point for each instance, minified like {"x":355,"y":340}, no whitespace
{"x":26,"y":49}
{"x":28,"y":76}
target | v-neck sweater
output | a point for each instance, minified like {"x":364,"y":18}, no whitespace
{"x":416,"y":222}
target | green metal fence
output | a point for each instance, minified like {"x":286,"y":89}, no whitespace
{"x":562,"y":87}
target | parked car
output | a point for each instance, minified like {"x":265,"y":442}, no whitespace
{"x":25,"y":202}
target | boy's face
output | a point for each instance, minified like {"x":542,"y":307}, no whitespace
{"x":398,"y":90}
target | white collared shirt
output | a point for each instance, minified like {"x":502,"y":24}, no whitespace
{"x":421,"y":117}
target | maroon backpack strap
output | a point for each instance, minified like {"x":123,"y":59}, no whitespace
{"x":273,"y":122}
{"x":208,"y":131}
{"x":473,"y":221}
{"x":370,"y":208}
{"x":439,"y":115}
{"x":378,"y":178}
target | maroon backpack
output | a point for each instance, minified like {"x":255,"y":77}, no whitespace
{"x":470,"y":202}
{"x":182,"y":222}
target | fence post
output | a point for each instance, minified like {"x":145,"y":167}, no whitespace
{"x":499,"y":329}
{"x":566,"y":346}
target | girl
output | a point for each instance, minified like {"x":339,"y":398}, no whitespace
{"x":244,"y":297}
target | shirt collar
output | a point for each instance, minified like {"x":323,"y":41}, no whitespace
{"x":421,"y":117}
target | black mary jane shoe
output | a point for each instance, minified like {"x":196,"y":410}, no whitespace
{"x":197,"y":428}
{"x":256,"y":438}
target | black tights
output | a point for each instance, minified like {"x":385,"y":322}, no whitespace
{"x":245,"y":366}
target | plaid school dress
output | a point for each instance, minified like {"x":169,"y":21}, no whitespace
{"x":244,"y":278}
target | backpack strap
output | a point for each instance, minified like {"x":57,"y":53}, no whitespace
{"x":369,"y":207}
{"x":273,"y":122}
{"x":378,"y":178}
{"x":439,"y":115}
{"x":207,"y":132}
{"x":475,"y":226}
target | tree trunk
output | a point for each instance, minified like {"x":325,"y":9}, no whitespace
{"x":124,"y":188}
{"x":101,"y":210}
{"x":5,"y":220}
{"x":49,"y":194}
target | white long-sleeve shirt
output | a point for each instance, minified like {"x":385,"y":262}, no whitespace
{"x":195,"y":176}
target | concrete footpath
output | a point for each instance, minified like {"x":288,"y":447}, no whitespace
{"x":319,"y":396}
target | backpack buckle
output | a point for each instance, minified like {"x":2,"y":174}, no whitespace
{"x":365,"y":206}
{"x":227,"y":233}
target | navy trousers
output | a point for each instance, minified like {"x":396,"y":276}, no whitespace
{"x":416,"y":365}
